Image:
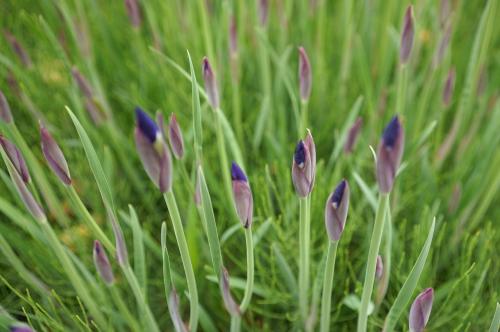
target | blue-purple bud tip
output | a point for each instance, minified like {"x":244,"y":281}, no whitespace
{"x":339,"y":193}
{"x":237,"y":173}
{"x":300,"y":154}
{"x":147,"y":125}
{"x":391,"y":132}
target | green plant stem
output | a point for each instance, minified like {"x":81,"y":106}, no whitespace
{"x":186,"y":259}
{"x":224,"y":164}
{"x":304,"y":258}
{"x":372,"y":261}
{"x":326,"y":299}
{"x":401,"y":89}
{"x":250,"y":270}
{"x":305,"y":116}
{"x":384,"y":281}
{"x":122,"y":307}
{"x":235,"y":323}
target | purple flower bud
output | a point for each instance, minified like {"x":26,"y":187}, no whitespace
{"x":5,"y":113}
{"x":102,"y":264}
{"x":121,"y":246}
{"x":263,"y":10}
{"x":175,"y":137}
{"x":16,"y":158}
{"x":379,"y":268}
{"x":231,"y":306}
{"x":18,"y":49}
{"x":389,"y":154}
{"x":94,"y":111}
{"x":174,"y":310}
{"x":210,"y":84}
{"x":407,"y":36}
{"x":242,"y":195}
{"x":54,"y":156}
{"x":305,"y":75}
{"x":233,"y":37}
{"x":421,"y":310}
{"x":448,"y":87}
{"x":82,"y":83}
{"x":133,"y":12}
{"x":20,"y":328}
{"x":336,"y":209}
{"x":153,"y":151}
{"x":352,"y":136}
{"x":304,"y":166}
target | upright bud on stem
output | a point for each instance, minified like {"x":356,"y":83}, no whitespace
{"x":448,"y":87}
{"x":16,"y":158}
{"x":389,"y":154}
{"x":231,"y":306}
{"x":5,"y":113}
{"x":304,"y":166}
{"x":379,"y":268}
{"x":352,"y":136}
{"x":133,"y":12}
{"x":421,"y":310}
{"x":242,"y":195}
{"x":102,"y":264}
{"x":175,"y":137}
{"x":305,"y":75}
{"x":407,"y":36}
{"x":210,"y":84}
{"x":336,"y":209}
{"x":54,"y":156}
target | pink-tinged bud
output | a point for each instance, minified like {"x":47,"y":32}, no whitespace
{"x":421,"y":310}
{"x":133,"y":12}
{"x":379,"y":268}
{"x":263,"y":11}
{"x":18,"y":49}
{"x":5,"y":113}
{"x":233,"y":37}
{"x":336,"y":209}
{"x":242,"y":195}
{"x":305,"y":75}
{"x":197,"y":192}
{"x":16,"y":158}
{"x":94,"y":111}
{"x":210,"y":84}
{"x":19,"y":327}
{"x":442,"y":45}
{"x":121,"y":246}
{"x":102,"y":264}
{"x":153,"y":151}
{"x":389,"y":154}
{"x":304,"y":166}
{"x":352,"y":136}
{"x":174,"y":310}
{"x":82,"y":83}
{"x":407,"y":36}
{"x":448,"y":87}
{"x":54,"y":156}
{"x":175,"y":137}
{"x":231,"y":306}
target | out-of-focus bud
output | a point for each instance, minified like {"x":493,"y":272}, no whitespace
{"x":242,"y":195}
{"x":90,"y":101}
{"x":82,"y":83}
{"x":389,"y":154}
{"x":263,"y":11}
{"x":197,"y":192}
{"x":210,"y":84}
{"x":153,"y":151}
{"x":336,"y":209}
{"x":133,"y":12}
{"x":121,"y":246}
{"x":54,"y":156}
{"x":16,"y":158}
{"x":407,"y":36}
{"x":444,"y":12}
{"x":175,"y":137}
{"x":304,"y":166}
{"x":19,"y":327}
{"x":174,"y":310}
{"x":379,"y":268}
{"x":5,"y":113}
{"x":442,"y":45}
{"x":231,"y":306}
{"x":448,"y":87}
{"x":102,"y":264}
{"x":18,"y":49}
{"x":421,"y":310}
{"x":233,"y":37}
{"x":352,"y":136}
{"x":305,"y":75}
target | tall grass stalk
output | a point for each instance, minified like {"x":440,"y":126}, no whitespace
{"x":303,"y":258}
{"x":326,"y":298}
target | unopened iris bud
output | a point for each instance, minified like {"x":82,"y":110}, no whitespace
{"x":379,"y":268}
{"x":102,"y":264}
{"x":175,"y":137}
{"x":352,"y":136}
{"x":174,"y":310}
{"x":242,"y":195}
{"x":231,"y":306}
{"x":448,"y":87}
{"x":263,"y":10}
{"x":82,"y":83}
{"x":18,"y":327}
{"x":305,"y":75}
{"x":420,"y":310}
{"x":389,"y":154}
{"x":18,"y":49}
{"x":5,"y":113}
{"x":210,"y":83}
{"x":407,"y":36}
{"x":133,"y":12}
{"x":336,"y":209}
{"x":153,"y":151}
{"x":304,"y":166}
{"x":121,"y":246}
{"x":16,"y":158}
{"x":54,"y":156}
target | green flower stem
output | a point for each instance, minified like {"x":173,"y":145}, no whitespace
{"x":122,"y":307}
{"x":372,"y":261}
{"x":235,"y":323}
{"x":304,"y":258}
{"x":250,"y":270}
{"x":224,"y":164}
{"x":384,"y":281}
{"x":305,"y":116}
{"x":186,"y":259}
{"x":89,"y":220}
{"x":326,"y":299}
{"x":401,"y":89}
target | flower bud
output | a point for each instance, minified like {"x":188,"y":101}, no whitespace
{"x":82,"y":83}
{"x":18,"y":49}
{"x":305,"y":75}
{"x":407,"y":36}
{"x":304,"y":166}
{"x":133,"y":12}
{"x":242,"y":195}
{"x":336,"y":209}
{"x":444,"y":12}
{"x":210,"y":84}
{"x":231,"y":306}
{"x":197,"y":192}
{"x":421,"y":310}
{"x":233,"y":37}
{"x":352,"y":136}
{"x":263,"y":11}
{"x":389,"y":154}
{"x":379,"y":268}
{"x":448,"y":87}
{"x":153,"y":151}
{"x":54,"y":156}
{"x":173,"y":309}
{"x":121,"y":246}
{"x":175,"y":137}
{"x":16,"y":158}
{"x":102,"y":264}
{"x":19,"y":327}
{"x":5,"y":113}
